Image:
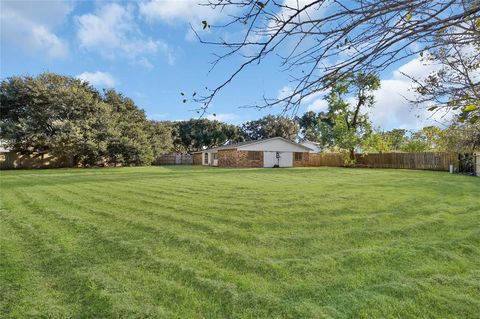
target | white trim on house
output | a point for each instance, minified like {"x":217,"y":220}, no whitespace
{"x":276,"y":144}
{"x":250,"y":145}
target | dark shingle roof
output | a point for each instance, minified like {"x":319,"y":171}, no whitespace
{"x":234,"y":145}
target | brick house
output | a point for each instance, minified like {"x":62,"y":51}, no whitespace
{"x":272,"y":152}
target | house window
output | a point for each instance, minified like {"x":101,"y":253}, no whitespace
{"x":298,"y":156}
{"x":205,"y":160}
{"x":254,"y":155}
{"x":215,"y":156}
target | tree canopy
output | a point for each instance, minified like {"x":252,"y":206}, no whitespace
{"x":309,"y":125}
{"x":64,"y":116}
{"x":271,"y":126}
{"x":346,"y":124}
{"x":195,"y":134}
{"x":55,"y":114}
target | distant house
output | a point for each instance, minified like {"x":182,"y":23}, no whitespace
{"x":272,"y":152}
{"x":314,"y":146}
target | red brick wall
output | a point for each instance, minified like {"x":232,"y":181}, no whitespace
{"x":243,"y":161}
{"x":234,"y":158}
{"x":303,"y":162}
{"x":227,"y":158}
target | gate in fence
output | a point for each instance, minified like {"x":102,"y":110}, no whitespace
{"x":174,"y":159}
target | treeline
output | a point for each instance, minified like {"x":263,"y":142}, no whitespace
{"x":67,"y":117}
{"x":64,"y":116}
{"x":458,"y":137}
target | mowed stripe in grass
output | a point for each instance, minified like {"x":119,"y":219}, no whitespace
{"x":193,"y":242}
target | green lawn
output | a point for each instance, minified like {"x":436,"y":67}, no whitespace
{"x":193,"y":242}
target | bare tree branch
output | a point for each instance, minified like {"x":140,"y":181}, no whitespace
{"x":321,"y":41}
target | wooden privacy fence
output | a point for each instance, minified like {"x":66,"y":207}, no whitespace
{"x":326,"y":159}
{"x":427,"y":161}
{"x":174,"y":159}
{"x":9,"y":160}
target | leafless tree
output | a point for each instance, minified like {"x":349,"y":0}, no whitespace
{"x":321,"y":41}
{"x":455,"y":83}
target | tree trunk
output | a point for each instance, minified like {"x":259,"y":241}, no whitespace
{"x":75,"y":161}
{"x":352,"y":155}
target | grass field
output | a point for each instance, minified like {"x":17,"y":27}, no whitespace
{"x":193,"y":242}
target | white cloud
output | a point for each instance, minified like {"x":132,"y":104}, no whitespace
{"x":112,"y":31}
{"x":98,"y":78}
{"x":47,"y":13}
{"x":284,"y":92}
{"x":31,"y":25}
{"x":223,"y":117}
{"x":290,"y":7}
{"x":392,"y":107}
{"x":53,"y":45}
{"x":319,"y":105}
{"x":174,"y":11}
{"x":315,"y":101}
{"x":315,"y":96}
{"x":184,"y":13}
{"x":415,"y":68}
{"x":167,"y":51}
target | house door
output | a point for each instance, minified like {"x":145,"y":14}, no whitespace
{"x":269,"y":159}
{"x":286,"y":159}
{"x":282,"y":159}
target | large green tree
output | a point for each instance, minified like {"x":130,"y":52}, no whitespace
{"x":271,"y":126}
{"x":129,"y":142}
{"x":309,"y":125}
{"x":55,"y":114}
{"x":424,"y":140}
{"x":160,"y":138}
{"x":194,"y":134}
{"x":64,"y":116}
{"x":461,"y":138}
{"x":377,"y":142}
{"x":396,"y":138}
{"x":346,"y":124}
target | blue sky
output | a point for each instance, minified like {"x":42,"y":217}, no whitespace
{"x":146,"y":51}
